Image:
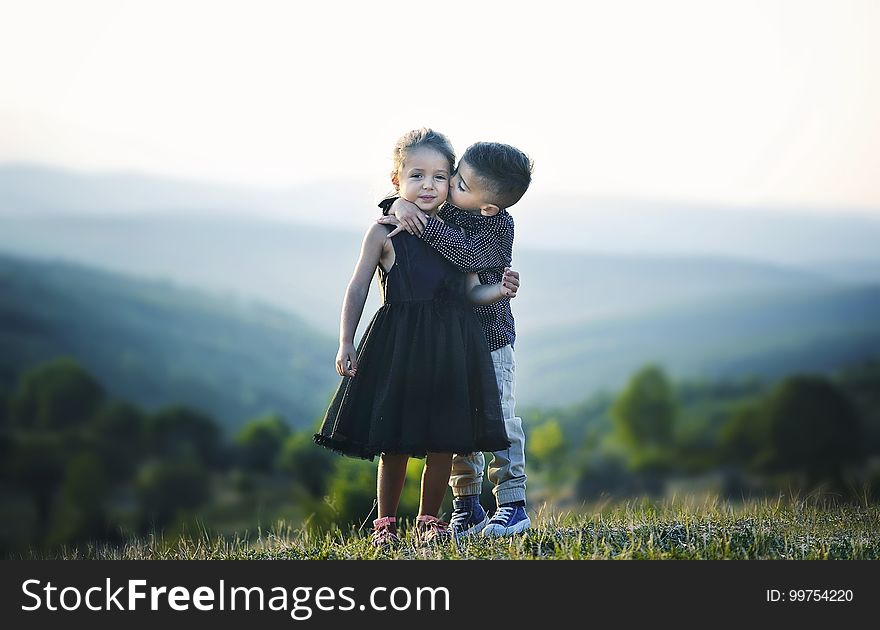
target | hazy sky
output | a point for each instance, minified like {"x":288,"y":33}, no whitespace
{"x":748,"y":103}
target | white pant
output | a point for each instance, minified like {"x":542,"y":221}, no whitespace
{"x":507,"y":470}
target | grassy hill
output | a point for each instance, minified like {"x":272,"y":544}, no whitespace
{"x":639,"y":530}
{"x":156,"y":343}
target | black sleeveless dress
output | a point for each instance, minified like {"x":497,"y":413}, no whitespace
{"x":425,"y":380}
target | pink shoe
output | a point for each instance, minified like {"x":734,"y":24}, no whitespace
{"x":385,"y":532}
{"x":431,"y":530}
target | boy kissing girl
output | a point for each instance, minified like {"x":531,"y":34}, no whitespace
{"x":474,"y":232}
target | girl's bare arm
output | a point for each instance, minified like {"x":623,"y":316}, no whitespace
{"x":356,"y":296}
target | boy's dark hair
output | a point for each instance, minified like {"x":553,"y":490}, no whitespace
{"x":505,"y":170}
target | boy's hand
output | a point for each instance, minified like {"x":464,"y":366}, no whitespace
{"x":411,"y":218}
{"x":391,"y":220}
{"x":346,"y":360}
{"x":509,"y":283}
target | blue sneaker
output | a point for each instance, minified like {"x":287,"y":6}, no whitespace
{"x":508,"y":520}
{"x":468,"y":516}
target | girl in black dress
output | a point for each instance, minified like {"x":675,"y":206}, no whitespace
{"x":421,"y":382}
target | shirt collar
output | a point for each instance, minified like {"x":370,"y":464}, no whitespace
{"x":449,"y":207}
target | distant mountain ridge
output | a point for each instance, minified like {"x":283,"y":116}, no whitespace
{"x":585,"y":319}
{"x":557,"y":221}
{"x":306,"y":269}
{"x":156,"y":344}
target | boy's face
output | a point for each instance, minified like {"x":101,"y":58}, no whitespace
{"x":468,"y":191}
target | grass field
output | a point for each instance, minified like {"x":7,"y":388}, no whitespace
{"x":676,"y":529}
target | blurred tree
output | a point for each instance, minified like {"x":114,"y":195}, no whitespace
{"x":84,"y":492}
{"x":861,"y":382}
{"x":308,"y":464}
{"x":59,"y":394}
{"x":644,"y":415}
{"x":546,"y":445}
{"x":119,"y":428}
{"x":813,"y":429}
{"x":5,"y":414}
{"x":744,"y":440}
{"x":166,"y":488}
{"x":36,"y":465}
{"x":409,"y":498}
{"x":7,"y":448}
{"x":180,"y":432}
{"x":86,"y":484}
{"x":352,"y":490}
{"x":260,"y":440}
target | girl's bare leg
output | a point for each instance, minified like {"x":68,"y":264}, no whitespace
{"x":389,"y":483}
{"x":435,"y":479}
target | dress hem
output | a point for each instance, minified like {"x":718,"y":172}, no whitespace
{"x":369,"y":452}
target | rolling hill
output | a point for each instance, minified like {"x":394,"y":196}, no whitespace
{"x":766,"y":335}
{"x":305,"y":269}
{"x":707,"y":292}
{"x":155,"y":343}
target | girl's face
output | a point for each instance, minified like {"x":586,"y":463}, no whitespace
{"x":423,"y":178}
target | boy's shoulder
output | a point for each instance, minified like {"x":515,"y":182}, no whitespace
{"x":466,"y":219}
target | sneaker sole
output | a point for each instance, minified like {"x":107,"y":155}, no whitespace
{"x":474,"y":529}
{"x":493,"y":531}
